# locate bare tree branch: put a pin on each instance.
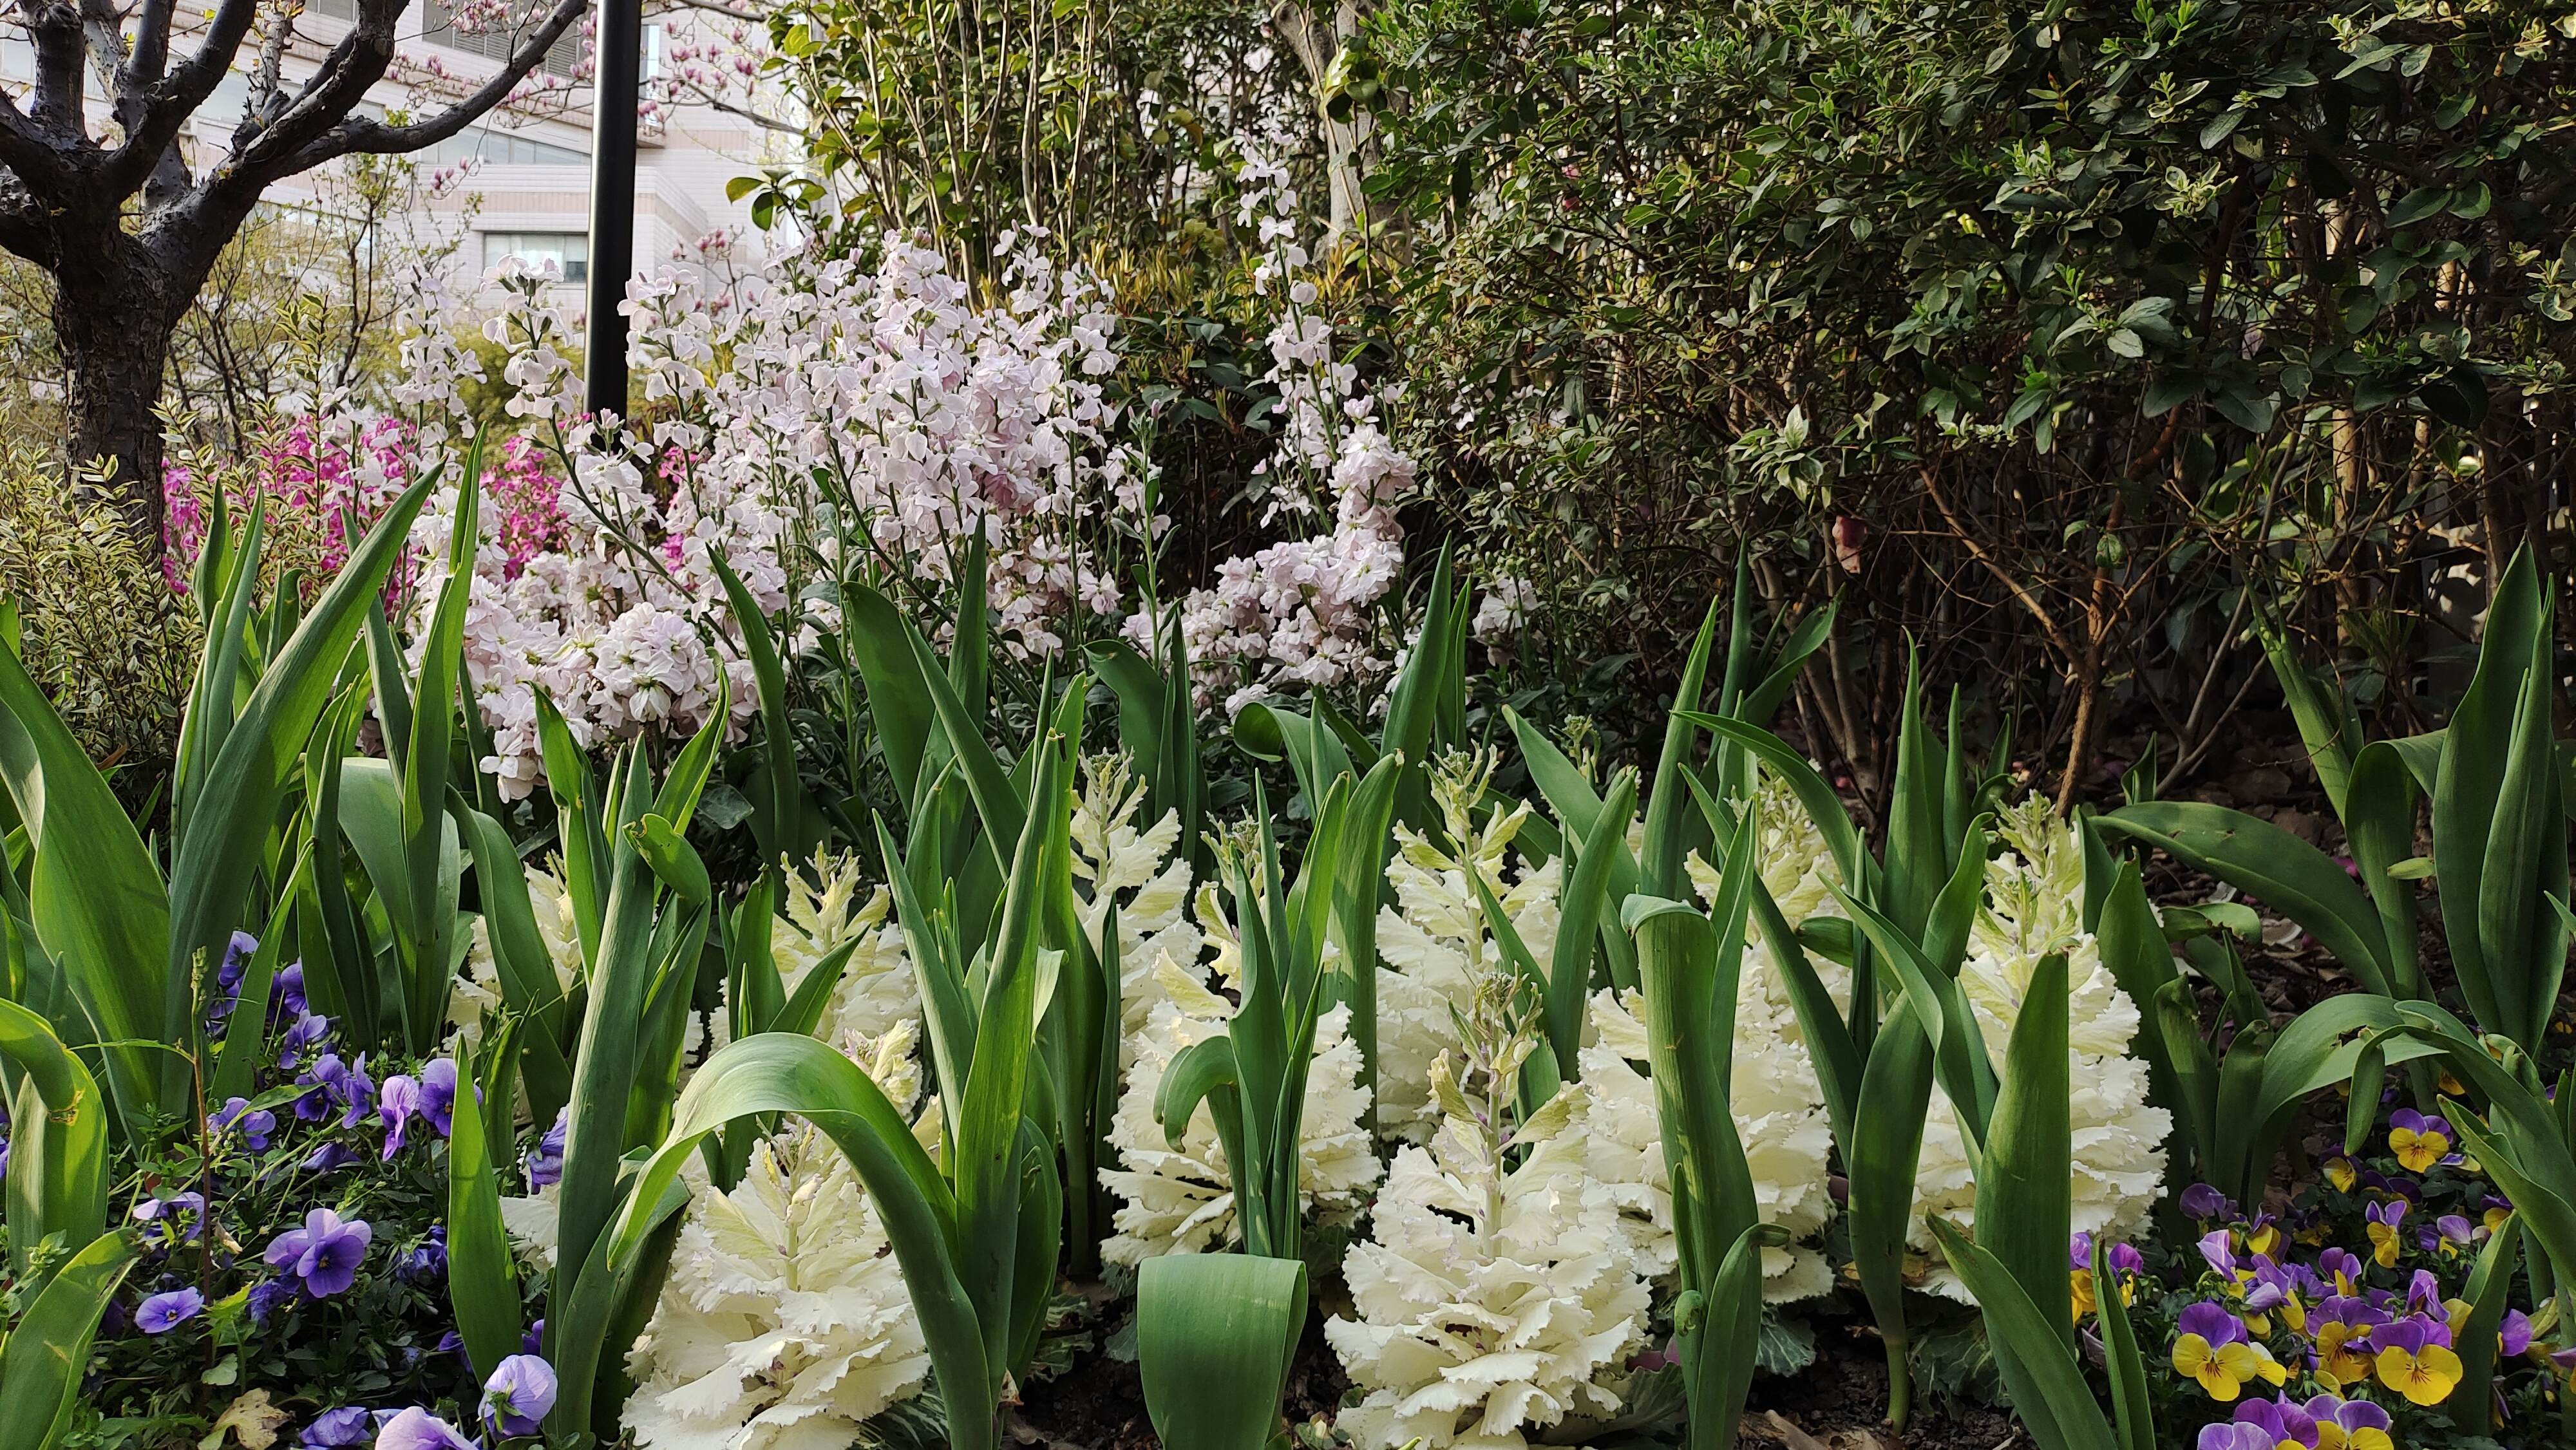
(32, 155)
(56, 29)
(24, 222)
(720, 7)
(173, 98)
(151, 45)
(362, 133)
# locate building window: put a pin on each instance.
(500, 148)
(569, 251)
(561, 58)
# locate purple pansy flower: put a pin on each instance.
(534, 1341)
(164, 1312)
(324, 1254)
(338, 1429)
(2410, 1334)
(330, 1158)
(2339, 1265)
(438, 1093)
(256, 1124)
(157, 1214)
(308, 1030)
(2204, 1202)
(2350, 1414)
(286, 992)
(228, 975)
(271, 1295)
(2219, 1250)
(2233, 1435)
(396, 1105)
(418, 1429)
(2514, 1335)
(545, 1166)
(2284, 1421)
(519, 1394)
(2211, 1321)
(428, 1261)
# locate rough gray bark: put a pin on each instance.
(126, 232)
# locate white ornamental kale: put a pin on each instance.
(1181, 1200)
(1433, 945)
(1138, 873)
(877, 991)
(1490, 1299)
(784, 1323)
(1779, 1113)
(2035, 897)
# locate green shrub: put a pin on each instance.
(103, 633)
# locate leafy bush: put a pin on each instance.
(100, 629)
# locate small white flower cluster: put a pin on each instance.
(822, 417)
(1302, 611)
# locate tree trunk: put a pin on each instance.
(113, 317)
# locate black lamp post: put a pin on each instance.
(612, 200)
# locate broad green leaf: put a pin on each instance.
(880, 640)
(1214, 1335)
(2478, 756)
(1586, 891)
(2134, 1412)
(671, 858)
(781, 794)
(2489, 1288)
(98, 902)
(1887, 1144)
(57, 1178)
(1670, 821)
(1359, 885)
(482, 1273)
(2285, 872)
(2023, 1201)
(2040, 1376)
(48, 1352)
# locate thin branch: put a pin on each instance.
(1977, 551)
(360, 133)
